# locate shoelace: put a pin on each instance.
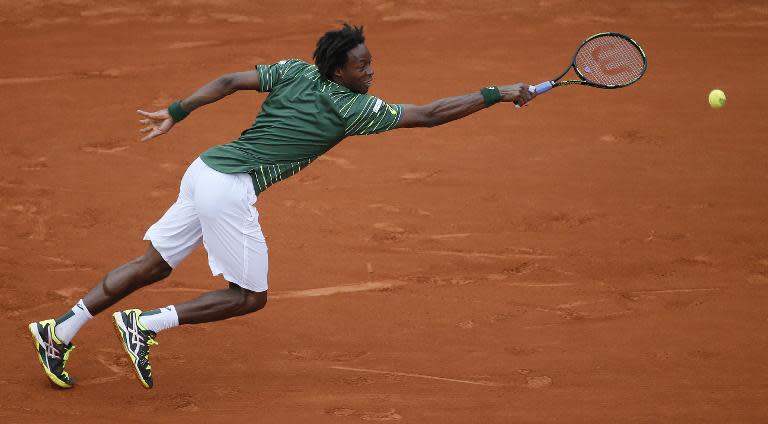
(135, 335)
(53, 352)
(50, 347)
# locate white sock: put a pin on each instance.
(69, 324)
(161, 319)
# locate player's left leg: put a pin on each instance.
(221, 304)
(236, 249)
(137, 330)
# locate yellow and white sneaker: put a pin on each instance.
(136, 340)
(51, 352)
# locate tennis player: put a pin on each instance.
(310, 108)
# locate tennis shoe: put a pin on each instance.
(52, 352)
(136, 341)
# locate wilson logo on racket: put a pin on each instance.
(608, 58)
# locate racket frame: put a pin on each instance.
(548, 85)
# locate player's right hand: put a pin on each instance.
(156, 123)
(519, 93)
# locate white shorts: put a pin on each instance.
(217, 209)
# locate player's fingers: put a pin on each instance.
(525, 93)
(152, 115)
(522, 102)
(144, 121)
(146, 129)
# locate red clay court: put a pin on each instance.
(598, 257)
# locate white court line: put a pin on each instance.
(474, 254)
(705, 289)
(28, 80)
(429, 377)
(540, 285)
(448, 236)
(327, 291)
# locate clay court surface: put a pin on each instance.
(600, 256)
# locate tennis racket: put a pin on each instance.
(604, 60)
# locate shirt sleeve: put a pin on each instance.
(371, 115)
(270, 76)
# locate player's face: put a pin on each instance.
(357, 73)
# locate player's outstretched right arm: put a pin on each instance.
(161, 121)
(451, 108)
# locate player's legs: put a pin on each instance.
(236, 249)
(172, 239)
(218, 209)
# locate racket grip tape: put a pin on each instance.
(541, 88)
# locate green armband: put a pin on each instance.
(491, 95)
(176, 112)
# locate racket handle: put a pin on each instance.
(541, 88)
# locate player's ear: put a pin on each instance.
(337, 72)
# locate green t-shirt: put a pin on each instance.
(304, 116)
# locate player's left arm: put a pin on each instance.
(160, 122)
(221, 87)
(452, 108)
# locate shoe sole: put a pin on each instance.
(51, 376)
(120, 329)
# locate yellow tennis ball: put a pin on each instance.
(716, 99)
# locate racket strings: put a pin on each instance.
(611, 61)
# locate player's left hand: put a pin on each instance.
(157, 123)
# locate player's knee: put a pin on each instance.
(154, 267)
(258, 300)
(161, 271)
(253, 301)
(248, 301)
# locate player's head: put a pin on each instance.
(341, 56)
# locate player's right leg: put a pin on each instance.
(172, 239)
(52, 352)
(124, 280)
(53, 337)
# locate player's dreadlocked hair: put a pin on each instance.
(332, 48)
